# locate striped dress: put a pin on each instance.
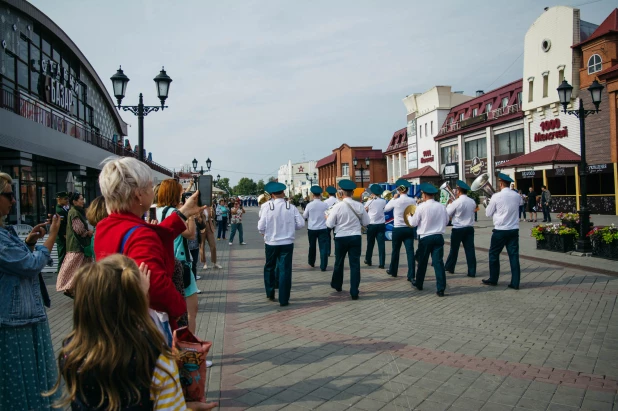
(166, 376)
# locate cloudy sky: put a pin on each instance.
(259, 82)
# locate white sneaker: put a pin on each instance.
(198, 277)
(218, 266)
(230, 243)
(243, 243)
(208, 364)
(199, 291)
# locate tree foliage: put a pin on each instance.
(245, 186)
(260, 187)
(224, 184)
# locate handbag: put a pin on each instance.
(190, 353)
(184, 269)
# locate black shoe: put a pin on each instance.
(415, 285)
(389, 273)
(284, 304)
(440, 293)
(472, 276)
(355, 297)
(544, 221)
(381, 266)
(322, 269)
(367, 263)
(271, 297)
(450, 272)
(336, 289)
(487, 282)
(312, 265)
(513, 287)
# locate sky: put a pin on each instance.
(258, 83)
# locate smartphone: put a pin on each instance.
(152, 213)
(188, 194)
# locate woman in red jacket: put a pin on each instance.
(127, 186)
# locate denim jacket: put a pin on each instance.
(21, 302)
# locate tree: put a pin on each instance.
(270, 179)
(245, 186)
(224, 184)
(260, 187)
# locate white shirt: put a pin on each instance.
(315, 213)
(462, 211)
(399, 205)
(345, 221)
(330, 201)
(375, 210)
(262, 207)
(504, 208)
(430, 218)
(279, 221)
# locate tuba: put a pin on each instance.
(448, 190)
(262, 198)
(482, 183)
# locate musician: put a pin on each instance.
(330, 201)
(278, 223)
(504, 208)
(462, 213)
(347, 217)
(431, 219)
(316, 228)
(377, 227)
(401, 232)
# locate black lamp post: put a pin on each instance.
(564, 92)
(361, 168)
(208, 164)
(311, 180)
(119, 84)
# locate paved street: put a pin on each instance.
(551, 345)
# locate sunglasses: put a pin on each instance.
(9, 196)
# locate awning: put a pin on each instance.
(326, 160)
(426, 171)
(552, 154)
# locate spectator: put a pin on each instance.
(236, 217)
(208, 235)
(522, 205)
(26, 350)
(96, 212)
(126, 184)
(79, 241)
(545, 204)
(222, 211)
(532, 205)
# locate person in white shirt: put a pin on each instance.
(347, 217)
(401, 232)
(330, 201)
(504, 209)
(462, 212)
(316, 228)
(377, 225)
(430, 219)
(278, 224)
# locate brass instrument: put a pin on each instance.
(409, 212)
(448, 190)
(365, 196)
(262, 198)
(482, 183)
(388, 195)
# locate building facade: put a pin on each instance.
(296, 176)
(396, 155)
(58, 121)
(340, 165)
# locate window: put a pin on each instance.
(449, 154)
(22, 74)
(475, 112)
(461, 117)
(432, 128)
(560, 76)
(10, 66)
(594, 64)
(488, 107)
(345, 169)
(476, 148)
(505, 102)
(425, 129)
(545, 84)
(519, 98)
(420, 130)
(510, 142)
(530, 90)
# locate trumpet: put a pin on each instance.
(482, 183)
(448, 190)
(409, 212)
(262, 198)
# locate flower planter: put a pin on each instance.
(541, 244)
(560, 243)
(605, 250)
(571, 224)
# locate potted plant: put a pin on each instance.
(604, 242)
(556, 237)
(570, 220)
(538, 232)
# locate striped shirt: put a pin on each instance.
(166, 376)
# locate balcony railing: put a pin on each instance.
(492, 115)
(15, 102)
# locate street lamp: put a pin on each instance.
(119, 85)
(361, 168)
(208, 164)
(564, 93)
(311, 180)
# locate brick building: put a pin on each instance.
(340, 165)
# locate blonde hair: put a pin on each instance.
(96, 211)
(114, 341)
(120, 179)
(5, 181)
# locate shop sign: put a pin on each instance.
(476, 166)
(600, 168)
(548, 128)
(427, 157)
(59, 84)
(501, 159)
(451, 170)
(561, 172)
(528, 174)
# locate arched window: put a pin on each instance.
(594, 64)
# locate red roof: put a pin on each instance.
(370, 154)
(610, 25)
(399, 141)
(427, 171)
(327, 160)
(552, 154)
(608, 72)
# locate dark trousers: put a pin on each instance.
(463, 235)
(61, 247)
(321, 237)
(221, 227)
(278, 258)
(330, 241)
(431, 245)
(499, 239)
(350, 245)
(237, 227)
(546, 213)
(195, 255)
(522, 210)
(376, 232)
(403, 235)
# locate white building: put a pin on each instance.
(296, 176)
